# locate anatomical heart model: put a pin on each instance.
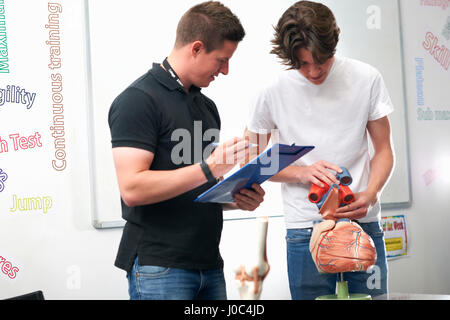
(339, 245)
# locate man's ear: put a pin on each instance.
(197, 47)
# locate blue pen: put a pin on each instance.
(216, 144)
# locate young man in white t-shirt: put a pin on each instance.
(335, 104)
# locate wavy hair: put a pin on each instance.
(307, 25)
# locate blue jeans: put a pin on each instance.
(161, 283)
(306, 283)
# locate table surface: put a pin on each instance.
(411, 296)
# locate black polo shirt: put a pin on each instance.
(156, 114)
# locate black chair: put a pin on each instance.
(37, 295)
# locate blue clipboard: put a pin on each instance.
(261, 168)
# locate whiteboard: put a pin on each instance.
(124, 40)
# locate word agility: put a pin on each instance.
(13, 94)
(58, 127)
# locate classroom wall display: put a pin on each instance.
(27, 120)
(427, 67)
(45, 219)
(395, 237)
(370, 32)
(33, 139)
(425, 50)
(42, 139)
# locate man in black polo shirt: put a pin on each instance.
(162, 127)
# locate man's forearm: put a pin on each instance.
(383, 159)
(287, 175)
(152, 186)
(381, 167)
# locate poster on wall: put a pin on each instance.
(395, 236)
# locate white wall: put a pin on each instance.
(60, 252)
(425, 270)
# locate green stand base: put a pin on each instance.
(342, 294)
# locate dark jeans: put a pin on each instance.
(161, 283)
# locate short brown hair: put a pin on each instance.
(307, 25)
(210, 22)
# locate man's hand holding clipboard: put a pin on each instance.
(256, 171)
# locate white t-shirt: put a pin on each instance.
(332, 117)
